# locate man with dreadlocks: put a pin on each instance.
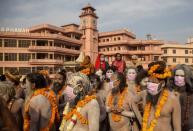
(182, 83)
(161, 107)
(81, 114)
(122, 110)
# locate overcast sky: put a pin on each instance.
(165, 19)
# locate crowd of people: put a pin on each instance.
(100, 97)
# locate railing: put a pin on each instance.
(45, 62)
(53, 49)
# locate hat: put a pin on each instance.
(134, 57)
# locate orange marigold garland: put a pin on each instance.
(167, 72)
(157, 113)
(117, 117)
(86, 71)
(54, 108)
(81, 104)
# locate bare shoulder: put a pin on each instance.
(93, 103)
(38, 101)
(173, 95)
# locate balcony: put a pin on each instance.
(53, 49)
(133, 52)
(45, 62)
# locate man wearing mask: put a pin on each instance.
(161, 107)
(101, 64)
(119, 64)
(120, 106)
(83, 112)
(181, 83)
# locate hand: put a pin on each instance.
(116, 110)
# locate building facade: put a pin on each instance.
(50, 46)
(43, 46)
(173, 53)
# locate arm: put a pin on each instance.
(128, 114)
(136, 111)
(102, 108)
(34, 113)
(176, 114)
(93, 116)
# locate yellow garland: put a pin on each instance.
(157, 113)
(81, 103)
(117, 117)
(54, 108)
(167, 72)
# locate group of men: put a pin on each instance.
(100, 97)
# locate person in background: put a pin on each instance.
(119, 64)
(182, 84)
(101, 63)
(134, 62)
(86, 67)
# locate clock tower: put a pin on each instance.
(88, 26)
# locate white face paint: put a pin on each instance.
(131, 74)
(109, 73)
(179, 78)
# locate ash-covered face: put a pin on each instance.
(179, 78)
(131, 74)
(109, 73)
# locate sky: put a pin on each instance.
(170, 20)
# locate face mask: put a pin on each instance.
(152, 88)
(108, 75)
(102, 59)
(69, 92)
(179, 81)
(131, 77)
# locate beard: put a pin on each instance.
(57, 87)
(78, 97)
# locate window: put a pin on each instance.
(156, 58)
(1, 42)
(119, 38)
(174, 60)
(1, 70)
(115, 49)
(103, 40)
(107, 40)
(10, 43)
(115, 39)
(186, 51)
(107, 49)
(186, 60)
(24, 56)
(165, 51)
(119, 48)
(1, 56)
(164, 59)
(10, 56)
(174, 51)
(24, 43)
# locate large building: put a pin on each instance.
(174, 53)
(50, 46)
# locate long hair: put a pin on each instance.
(188, 77)
(37, 79)
(122, 79)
